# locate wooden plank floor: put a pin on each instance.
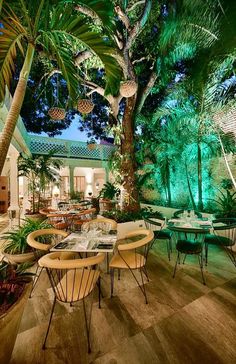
(185, 322)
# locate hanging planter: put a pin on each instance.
(57, 113)
(91, 144)
(85, 106)
(128, 88)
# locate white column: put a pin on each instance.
(14, 208)
(26, 203)
(71, 171)
(107, 173)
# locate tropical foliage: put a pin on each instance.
(16, 241)
(40, 171)
(51, 30)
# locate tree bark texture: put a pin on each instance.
(14, 112)
(128, 166)
(199, 172)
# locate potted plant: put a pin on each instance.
(15, 286)
(91, 144)
(16, 249)
(108, 194)
(40, 171)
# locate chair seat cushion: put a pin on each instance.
(162, 234)
(214, 239)
(76, 284)
(61, 225)
(127, 259)
(189, 247)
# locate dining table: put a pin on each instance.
(85, 242)
(191, 222)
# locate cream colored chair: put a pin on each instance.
(61, 221)
(101, 223)
(133, 256)
(41, 241)
(82, 217)
(72, 280)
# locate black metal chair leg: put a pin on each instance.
(206, 253)
(99, 292)
(36, 278)
(143, 289)
(170, 244)
(145, 272)
(107, 262)
(112, 280)
(49, 324)
(87, 324)
(200, 260)
(177, 259)
(185, 255)
(168, 249)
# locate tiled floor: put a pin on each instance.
(184, 322)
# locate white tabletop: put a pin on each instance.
(88, 243)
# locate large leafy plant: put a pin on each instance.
(12, 281)
(226, 202)
(16, 241)
(40, 171)
(109, 191)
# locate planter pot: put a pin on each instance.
(85, 106)
(9, 325)
(35, 217)
(91, 146)
(125, 227)
(57, 113)
(19, 258)
(106, 205)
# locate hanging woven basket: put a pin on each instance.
(91, 146)
(85, 106)
(128, 88)
(57, 113)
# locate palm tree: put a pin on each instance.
(48, 29)
(184, 28)
(40, 171)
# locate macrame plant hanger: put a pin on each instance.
(86, 105)
(56, 112)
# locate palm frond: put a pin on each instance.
(11, 37)
(66, 26)
(103, 10)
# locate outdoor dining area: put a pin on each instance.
(117, 182)
(93, 281)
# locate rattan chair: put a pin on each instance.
(101, 223)
(177, 213)
(61, 221)
(224, 235)
(82, 217)
(41, 241)
(189, 241)
(157, 226)
(133, 256)
(46, 210)
(72, 281)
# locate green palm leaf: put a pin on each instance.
(12, 34)
(103, 10)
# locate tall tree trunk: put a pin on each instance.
(189, 187)
(167, 166)
(128, 167)
(199, 175)
(17, 101)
